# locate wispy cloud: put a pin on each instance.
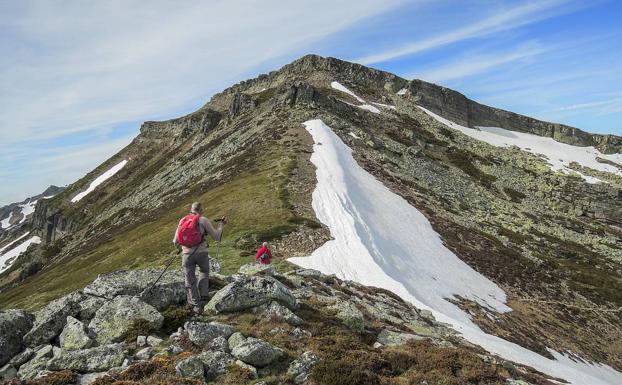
(473, 64)
(515, 17)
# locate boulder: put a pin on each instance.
(169, 290)
(190, 367)
(215, 363)
(251, 291)
(280, 312)
(89, 306)
(32, 368)
(50, 320)
(46, 351)
(202, 333)
(392, 338)
(144, 353)
(349, 314)
(22, 358)
(7, 372)
(141, 341)
(300, 369)
(256, 352)
(113, 320)
(14, 324)
(236, 339)
(298, 334)
(75, 335)
(89, 378)
(89, 360)
(154, 341)
(219, 344)
(256, 269)
(248, 367)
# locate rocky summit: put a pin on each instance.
(499, 264)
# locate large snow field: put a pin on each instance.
(7, 259)
(381, 240)
(99, 180)
(558, 155)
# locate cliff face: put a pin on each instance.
(540, 234)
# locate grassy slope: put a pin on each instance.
(254, 201)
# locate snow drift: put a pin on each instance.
(7, 259)
(381, 240)
(99, 180)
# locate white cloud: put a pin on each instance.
(504, 20)
(83, 67)
(475, 64)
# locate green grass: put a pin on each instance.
(254, 203)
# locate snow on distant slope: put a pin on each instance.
(402, 91)
(5, 223)
(99, 180)
(365, 106)
(559, 155)
(379, 239)
(7, 259)
(14, 242)
(27, 209)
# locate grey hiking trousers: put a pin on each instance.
(196, 290)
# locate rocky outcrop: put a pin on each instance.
(14, 324)
(251, 291)
(256, 352)
(89, 360)
(113, 320)
(50, 320)
(202, 333)
(75, 335)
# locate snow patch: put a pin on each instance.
(558, 155)
(379, 239)
(99, 180)
(388, 106)
(7, 259)
(370, 108)
(6, 222)
(352, 134)
(402, 91)
(27, 209)
(14, 242)
(340, 87)
(365, 106)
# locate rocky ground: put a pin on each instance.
(260, 327)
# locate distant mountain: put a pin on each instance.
(15, 214)
(505, 227)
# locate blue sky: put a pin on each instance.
(78, 78)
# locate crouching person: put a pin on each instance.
(191, 235)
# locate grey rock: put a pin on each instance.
(301, 368)
(14, 324)
(202, 333)
(154, 341)
(392, 338)
(349, 314)
(89, 306)
(141, 341)
(308, 273)
(173, 349)
(215, 363)
(22, 357)
(89, 360)
(257, 269)
(377, 345)
(7, 372)
(236, 339)
(220, 344)
(168, 291)
(144, 353)
(298, 334)
(113, 320)
(275, 310)
(46, 351)
(250, 368)
(75, 335)
(251, 291)
(127, 362)
(256, 352)
(89, 378)
(50, 320)
(191, 367)
(32, 368)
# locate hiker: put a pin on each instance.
(191, 235)
(264, 256)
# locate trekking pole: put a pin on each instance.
(175, 255)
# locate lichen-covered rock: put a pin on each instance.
(236, 339)
(392, 338)
(169, 290)
(256, 352)
(202, 333)
(219, 344)
(278, 311)
(256, 269)
(190, 367)
(301, 368)
(22, 357)
(45, 351)
(298, 334)
(250, 291)
(14, 324)
(89, 378)
(215, 363)
(89, 306)
(50, 320)
(75, 335)
(250, 368)
(32, 368)
(113, 320)
(349, 314)
(141, 341)
(7, 372)
(154, 341)
(89, 360)
(144, 353)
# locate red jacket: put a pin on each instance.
(267, 259)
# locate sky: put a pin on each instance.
(77, 79)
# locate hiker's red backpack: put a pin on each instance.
(189, 234)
